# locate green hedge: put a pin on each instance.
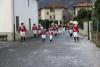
(46, 23)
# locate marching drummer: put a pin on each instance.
(22, 31)
(34, 29)
(43, 34)
(50, 35)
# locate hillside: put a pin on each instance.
(68, 3)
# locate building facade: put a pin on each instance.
(53, 12)
(13, 12)
(82, 5)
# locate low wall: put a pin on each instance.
(82, 32)
(10, 36)
(96, 38)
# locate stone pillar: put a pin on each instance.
(85, 28)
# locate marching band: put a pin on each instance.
(54, 30)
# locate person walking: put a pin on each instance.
(34, 29)
(63, 29)
(50, 35)
(43, 35)
(67, 27)
(22, 31)
(39, 30)
(55, 29)
(71, 30)
(75, 32)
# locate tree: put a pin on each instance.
(97, 14)
(82, 13)
(97, 9)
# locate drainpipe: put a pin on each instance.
(14, 21)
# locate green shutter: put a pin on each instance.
(17, 22)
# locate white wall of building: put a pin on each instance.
(6, 15)
(25, 11)
(59, 14)
(22, 10)
(44, 14)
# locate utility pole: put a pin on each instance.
(88, 21)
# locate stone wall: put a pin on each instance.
(96, 38)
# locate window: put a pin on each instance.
(47, 13)
(52, 10)
(17, 22)
(50, 17)
(54, 17)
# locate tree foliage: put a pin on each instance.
(97, 9)
(82, 13)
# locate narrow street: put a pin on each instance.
(62, 52)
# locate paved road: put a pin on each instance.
(62, 52)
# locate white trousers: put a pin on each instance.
(43, 36)
(39, 31)
(35, 31)
(22, 34)
(51, 37)
(59, 31)
(55, 32)
(70, 31)
(75, 34)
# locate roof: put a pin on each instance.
(51, 6)
(84, 4)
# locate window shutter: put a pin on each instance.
(17, 22)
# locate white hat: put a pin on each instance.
(75, 22)
(41, 27)
(71, 21)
